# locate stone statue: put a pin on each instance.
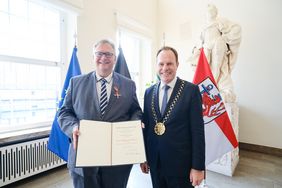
(220, 39)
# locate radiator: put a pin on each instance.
(22, 160)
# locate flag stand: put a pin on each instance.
(204, 182)
(204, 185)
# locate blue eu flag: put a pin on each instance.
(58, 141)
(121, 66)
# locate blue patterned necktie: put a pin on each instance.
(164, 103)
(103, 96)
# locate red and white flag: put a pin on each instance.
(219, 134)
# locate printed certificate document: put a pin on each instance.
(106, 144)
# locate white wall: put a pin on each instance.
(257, 72)
(97, 20)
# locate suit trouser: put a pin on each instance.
(77, 179)
(161, 180)
(106, 177)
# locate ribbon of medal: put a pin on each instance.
(160, 126)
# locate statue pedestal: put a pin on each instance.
(227, 163)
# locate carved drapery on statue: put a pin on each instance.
(221, 40)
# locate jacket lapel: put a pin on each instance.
(156, 101)
(174, 92)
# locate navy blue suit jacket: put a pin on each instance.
(182, 146)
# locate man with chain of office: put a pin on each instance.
(173, 128)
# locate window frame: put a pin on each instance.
(64, 50)
(143, 66)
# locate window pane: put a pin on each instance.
(4, 5)
(18, 8)
(29, 94)
(30, 30)
(137, 52)
(4, 33)
(35, 12)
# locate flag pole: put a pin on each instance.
(163, 38)
(75, 39)
(119, 40)
(204, 182)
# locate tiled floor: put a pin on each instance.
(255, 170)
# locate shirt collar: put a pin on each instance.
(170, 84)
(108, 78)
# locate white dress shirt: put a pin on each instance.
(109, 84)
(169, 91)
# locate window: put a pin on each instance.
(28, 93)
(29, 30)
(137, 53)
(30, 60)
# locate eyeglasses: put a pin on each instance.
(106, 54)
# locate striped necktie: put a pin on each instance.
(164, 103)
(103, 96)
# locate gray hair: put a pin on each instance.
(105, 41)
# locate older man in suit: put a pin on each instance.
(101, 95)
(174, 128)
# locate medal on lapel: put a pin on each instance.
(116, 92)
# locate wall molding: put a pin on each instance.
(261, 149)
(130, 23)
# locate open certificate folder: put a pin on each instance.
(105, 144)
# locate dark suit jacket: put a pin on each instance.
(182, 146)
(81, 102)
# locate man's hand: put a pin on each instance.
(145, 167)
(196, 177)
(75, 134)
